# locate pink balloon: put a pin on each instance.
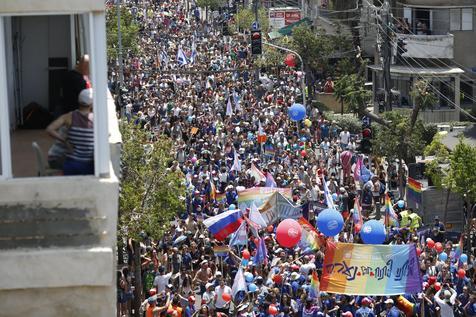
(194, 160)
(288, 233)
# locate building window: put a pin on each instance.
(461, 19)
(467, 19)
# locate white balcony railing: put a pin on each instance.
(428, 46)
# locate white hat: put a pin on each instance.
(295, 276)
(85, 97)
(389, 301)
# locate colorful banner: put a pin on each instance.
(279, 207)
(414, 190)
(259, 195)
(361, 269)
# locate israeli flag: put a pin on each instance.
(181, 58)
(193, 55)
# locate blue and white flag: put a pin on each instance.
(181, 58)
(240, 236)
(328, 196)
(236, 162)
(261, 255)
(193, 55)
(229, 109)
(164, 58)
(239, 284)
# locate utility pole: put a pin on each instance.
(387, 56)
(255, 8)
(119, 54)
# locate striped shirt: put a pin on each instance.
(81, 137)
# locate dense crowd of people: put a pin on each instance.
(196, 86)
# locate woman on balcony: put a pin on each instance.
(80, 137)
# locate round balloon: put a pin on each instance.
(248, 277)
(464, 258)
(272, 310)
(290, 60)
(288, 233)
(400, 204)
(297, 112)
(232, 207)
(461, 273)
(303, 153)
(246, 254)
(330, 222)
(307, 123)
(373, 232)
(226, 297)
(277, 279)
(252, 288)
(430, 243)
(437, 286)
(443, 256)
(244, 262)
(438, 247)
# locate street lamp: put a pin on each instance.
(303, 80)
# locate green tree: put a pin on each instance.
(245, 17)
(462, 174)
(435, 169)
(210, 5)
(393, 141)
(129, 32)
(423, 99)
(149, 197)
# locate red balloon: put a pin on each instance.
(246, 254)
(432, 280)
(226, 297)
(288, 233)
(272, 310)
(438, 247)
(430, 243)
(270, 228)
(290, 60)
(418, 251)
(303, 153)
(461, 273)
(437, 286)
(277, 279)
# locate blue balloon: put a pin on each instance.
(232, 207)
(250, 136)
(297, 112)
(190, 118)
(303, 139)
(334, 197)
(330, 222)
(244, 262)
(464, 258)
(252, 288)
(443, 256)
(373, 232)
(400, 204)
(249, 277)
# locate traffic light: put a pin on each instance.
(401, 49)
(256, 48)
(366, 141)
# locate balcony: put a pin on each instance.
(428, 46)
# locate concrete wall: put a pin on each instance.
(66, 279)
(428, 46)
(331, 102)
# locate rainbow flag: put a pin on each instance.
(414, 190)
(213, 191)
(310, 236)
(259, 195)
(220, 197)
(314, 289)
(269, 150)
(391, 218)
(357, 215)
(221, 250)
(373, 270)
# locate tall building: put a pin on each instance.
(58, 233)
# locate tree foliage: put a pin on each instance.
(455, 171)
(150, 190)
(211, 4)
(129, 32)
(245, 17)
(423, 98)
(393, 140)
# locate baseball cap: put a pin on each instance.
(366, 301)
(389, 301)
(85, 97)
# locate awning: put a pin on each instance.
(288, 30)
(420, 71)
(274, 35)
